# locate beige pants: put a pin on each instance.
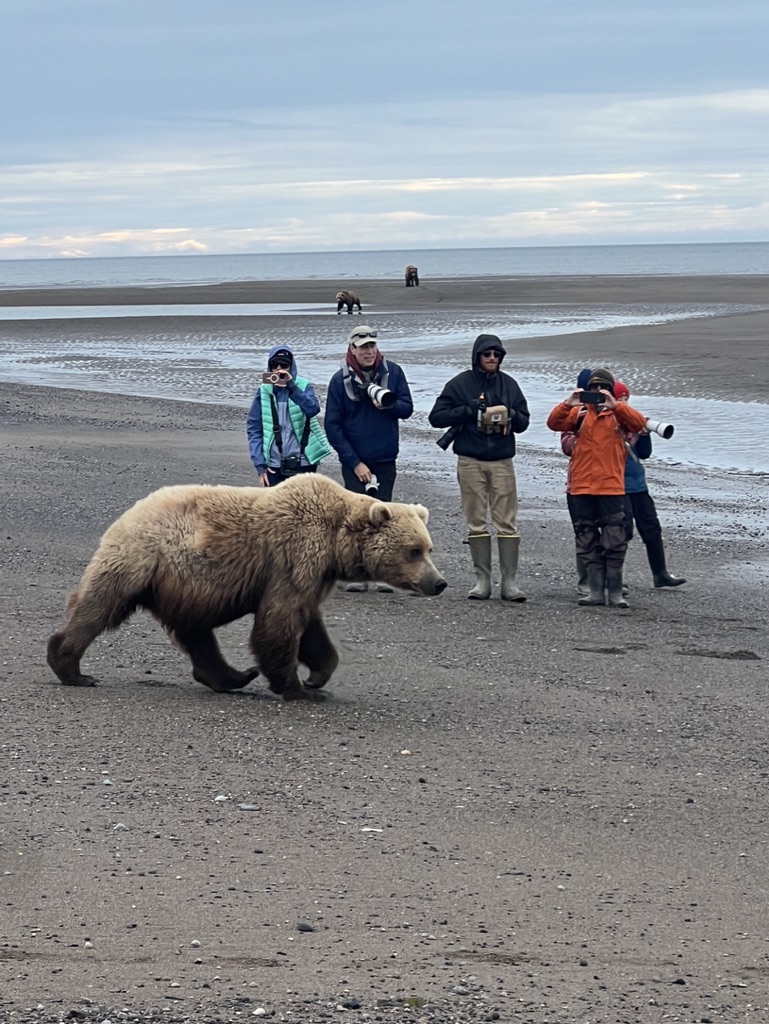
(484, 486)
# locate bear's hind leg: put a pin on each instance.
(92, 610)
(208, 665)
(317, 652)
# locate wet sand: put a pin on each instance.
(544, 812)
(724, 355)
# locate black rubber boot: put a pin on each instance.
(614, 588)
(582, 585)
(596, 578)
(655, 552)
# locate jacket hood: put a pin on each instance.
(483, 343)
(283, 348)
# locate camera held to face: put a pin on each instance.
(381, 397)
(592, 398)
(273, 377)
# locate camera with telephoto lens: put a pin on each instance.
(290, 465)
(381, 397)
(665, 430)
(445, 441)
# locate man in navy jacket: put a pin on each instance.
(366, 398)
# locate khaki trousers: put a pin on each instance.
(485, 486)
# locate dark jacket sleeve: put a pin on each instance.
(256, 434)
(451, 408)
(334, 421)
(643, 446)
(404, 403)
(307, 400)
(519, 411)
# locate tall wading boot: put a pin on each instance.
(583, 588)
(509, 547)
(596, 578)
(655, 552)
(480, 552)
(614, 588)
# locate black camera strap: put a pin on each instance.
(276, 429)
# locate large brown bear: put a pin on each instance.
(348, 299)
(198, 557)
(412, 276)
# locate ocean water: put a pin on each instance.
(717, 258)
(201, 360)
(175, 355)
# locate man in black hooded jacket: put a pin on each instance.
(486, 409)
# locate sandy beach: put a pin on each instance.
(538, 813)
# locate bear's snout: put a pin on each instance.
(431, 582)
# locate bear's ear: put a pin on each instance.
(422, 512)
(379, 513)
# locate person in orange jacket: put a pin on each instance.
(597, 481)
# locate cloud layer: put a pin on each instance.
(168, 128)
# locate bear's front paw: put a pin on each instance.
(79, 681)
(302, 694)
(316, 680)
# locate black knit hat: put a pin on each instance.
(603, 377)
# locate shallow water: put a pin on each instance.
(187, 359)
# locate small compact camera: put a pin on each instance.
(592, 397)
(290, 465)
(271, 377)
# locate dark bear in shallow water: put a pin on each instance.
(349, 299)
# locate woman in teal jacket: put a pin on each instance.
(284, 436)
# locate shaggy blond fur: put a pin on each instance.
(412, 276)
(349, 299)
(198, 557)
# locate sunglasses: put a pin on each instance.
(491, 354)
(279, 364)
(364, 334)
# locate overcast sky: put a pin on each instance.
(133, 127)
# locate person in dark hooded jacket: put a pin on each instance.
(484, 409)
(284, 436)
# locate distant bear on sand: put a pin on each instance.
(198, 557)
(349, 299)
(412, 276)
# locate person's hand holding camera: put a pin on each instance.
(575, 398)
(284, 380)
